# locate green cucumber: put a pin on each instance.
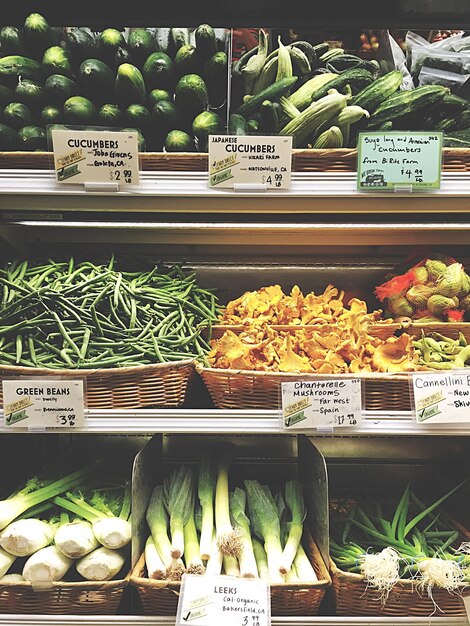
(356, 79)
(110, 115)
(56, 60)
(268, 119)
(138, 116)
(308, 50)
(79, 110)
(96, 80)
(407, 103)
(215, 76)
(178, 141)
(252, 126)
(141, 45)
(30, 92)
(140, 138)
(177, 38)
(14, 66)
(186, 61)
(273, 93)
(237, 125)
(165, 117)
(386, 126)
(9, 139)
(37, 33)
(156, 95)
(374, 94)
(11, 41)
(342, 62)
(108, 43)
(7, 95)
(452, 104)
(205, 124)
(51, 115)
(460, 122)
(122, 56)
(191, 96)
(158, 71)
(17, 115)
(81, 44)
(129, 85)
(329, 55)
(320, 49)
(206, 45)
(58, 89)
(32, 138)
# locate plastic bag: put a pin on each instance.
(432, 76)
(435, 289)
(391, 57)
(438, 55)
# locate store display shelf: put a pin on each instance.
(70, 620)
(188, 192)
(218, 421)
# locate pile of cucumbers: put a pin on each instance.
(169, 85)
(274, 90)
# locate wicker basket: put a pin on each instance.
(161, 597)
(157, 385)
(243, 389)
(307, 160)
(353, 597)
(448, 329)
(80, 598)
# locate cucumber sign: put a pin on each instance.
(389, 161)
(96, 156)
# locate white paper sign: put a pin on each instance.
(94, 156)
(442, 398)
(250, 160)
(323, 403)
(223, 600)
(43, 403)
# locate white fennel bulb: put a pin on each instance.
(48, 564)
(26, 536)
(76, 539)
(101, 564)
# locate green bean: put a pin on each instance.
(66, 336)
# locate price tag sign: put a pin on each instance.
(388, 161)
(323, 403)
(96, 156)
(442, 398)
(215, 600)
(244, 160)
(43, 403)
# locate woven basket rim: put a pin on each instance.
(281, 327)
(86, 585)
(201, 369)
(110, 371)
(137, 580)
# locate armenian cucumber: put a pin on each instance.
(273, 93)
(342, 62)
(377, 92)
(307, 49)
(320, 49)
(452, 104)
(406, 103)
(329, 55)
(357, 79)
(453, 124)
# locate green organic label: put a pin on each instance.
(295, 419)
(68, 172)
(221, 177)
(13, 418)
(390, 160)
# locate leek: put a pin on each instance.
(303, 567)
(48, 564)
(231, 565)
(193, 561)
(265, 520)
(261, 560)
(157, 520)
(155, 567)
(21, 501)
(26, 536)
(179, 498)
(295, 503)
(101, 564)
(247, 561)
(6, 561)
(216, 559)
(228, 539)
(205, 492)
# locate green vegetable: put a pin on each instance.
(9, 139)
(269, 119)
(129, 85)
(140, 138)
(302, 98)
(79, 110)
(273, 93)
(96, 80)
(81, 44)
(165, 117)
(58, 89)
(407, 102)
(110, 115)
(156, 95)
(52, 115)
(227, 538)
(330, 138)
(206, 44)
(17, 115)
(342, 62)
(30, 93)
(157, 520)
(356, 79)
(57, 60)
(192, 558)
(237, 125)
(206, 492)
(294, 499)
(377, 92)
(7, 95)
(179, 501)
(205, 124)
(141, 45)
(158, 71)
(11, 41)
(177, 38)
(37, 33)
(15, 66)
(32, 138)
(247, 561)
(179, 141)
(109, 41)
(191, 96)
(186, 61)
(138, 116)
(284, 62)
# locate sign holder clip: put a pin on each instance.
(110, 187)
(253, 187)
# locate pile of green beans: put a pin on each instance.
(81, 315)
